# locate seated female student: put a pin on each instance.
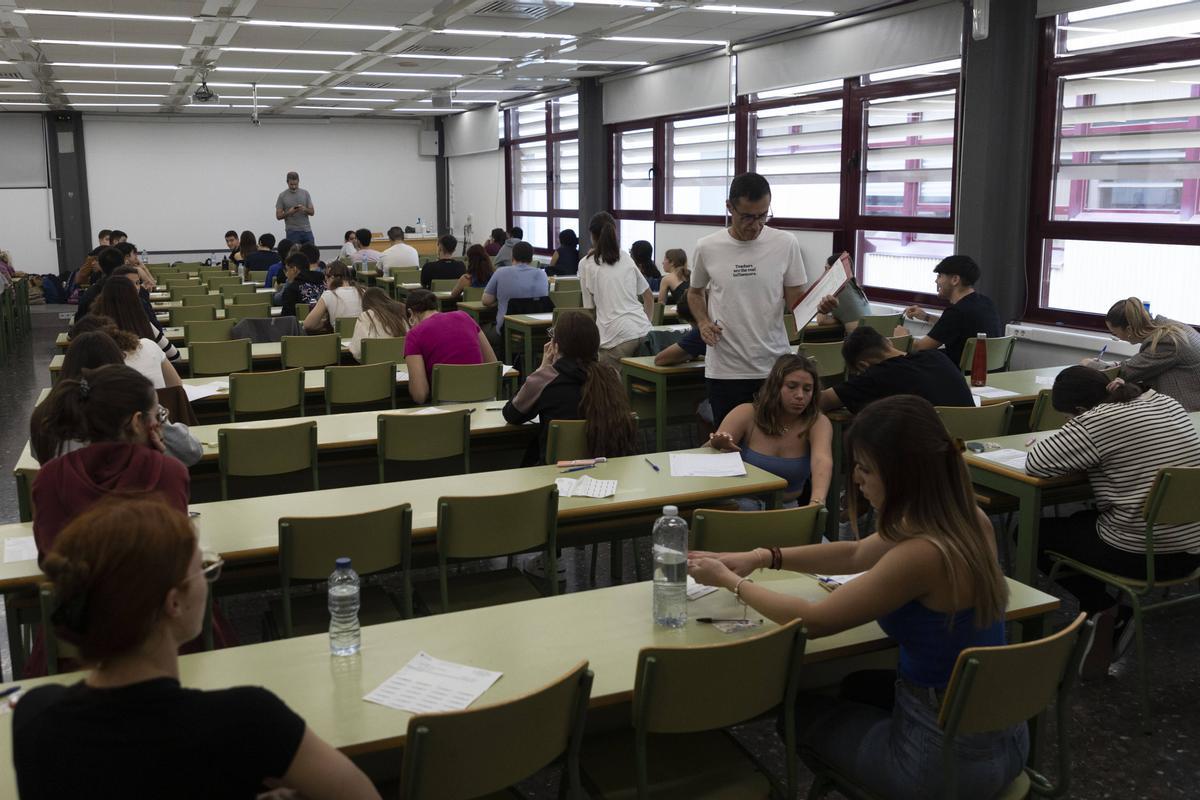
(932, 582)
(572, 383)
(435, 338)
(783, 431)
(1168, 358)
(132, 587)
(382, 317)
(247, 245)
(94, 345)
(675, 283)
(350, 247)
(342, 298)
(690, 346)
(565, 260)
(642, 253)
(479, 272)
(1122, 436)
(119, 302)
(141, 354)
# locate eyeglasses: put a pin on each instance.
(163, 415)
(210, 566)
(764, 217)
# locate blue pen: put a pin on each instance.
(652, 464)
(576, 469)
(1103, 350)
(9, 690)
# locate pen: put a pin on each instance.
(711, 620)
(652, 464)
(1103, 350)
(1031, 441)
(9, 690)
(576, 469)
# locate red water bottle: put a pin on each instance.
(979, 361)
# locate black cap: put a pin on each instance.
(962, 266)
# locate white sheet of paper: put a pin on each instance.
(203, 390)
(838, 580)
(977, 400)
(19, 548)
(401, 375)
(429, 410)
(991, 391)
(585, 487)
(703, 465)
(831, 282)
(1008, 457)
(427, 685)
(507, 368)
(542, 315)
(1045, 380)
(697, 590)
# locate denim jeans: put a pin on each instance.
(898, 754)
(300, 237)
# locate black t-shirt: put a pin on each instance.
(261, 260)
(151, 739)
(568, 262)
(444, 269)
(969, 316)
(925, 373)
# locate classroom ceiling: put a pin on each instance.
(355, 58)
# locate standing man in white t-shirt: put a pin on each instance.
(743, 280)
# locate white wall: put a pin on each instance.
(26, 221)
(815, 246)
(180, 183)
(477, 192)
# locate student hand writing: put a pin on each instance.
(741, 564)
(723, 441)
(710, 332)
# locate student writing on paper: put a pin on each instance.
(783, 432)
(131, 585)
(933, 584)
(436, 338)
(1168, 358)
(382, 317)
(1121, 436)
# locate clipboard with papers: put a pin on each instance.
(830, 283)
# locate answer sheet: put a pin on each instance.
(991, 392)
(1006, 457)
(703, 465)
(204, 390)
(830, 283)
(428, 685)
(19, 548)
(585, 487)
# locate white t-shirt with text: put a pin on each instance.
(615, 291)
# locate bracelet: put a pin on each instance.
(737, 587)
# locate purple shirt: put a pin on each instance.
(450, 337)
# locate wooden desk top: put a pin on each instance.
(1027, 383)
(646, 363)
(531, 642)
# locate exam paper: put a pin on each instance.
(19, 548)
(427, 685)
(1045, 380)
(838, 580)
(702, 465)
(542, 315)
(831, 282)
(428, 410)
(697, 590)
(585, 487)
(991, 391)
(203, 390)
(1007, 457)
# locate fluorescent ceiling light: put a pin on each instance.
(261, 85)
(273, 70)
(20, 103)
(490, 91)
(251, 97)
(1081, 29)
(464, 102)
(325, 99)
(85, 43)
(1115, 9)
(367, 89)
(505, 34)
(289, 52)
(335, 108)
(260, 106)
(92, 64)
(21, 94)
(101, 15)
(412, 74)
(108, 105)
(117, 83)
(114, 94)
(620, 3)
(584, 61)
(787, 12)
(496, 59)
(331, 26)
(423, 110)
(662, 40)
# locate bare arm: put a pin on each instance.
(418, 384)
(674, 354)
(310, 210)
(734, 429)
(457, 292)
(489, 300)
(318, 771)
(485, 347)
(648, 303)
(792, 295)
(170, 376)
(280, 212)
(829, 400)
(315, 320)
(820, 451)
(710, 332)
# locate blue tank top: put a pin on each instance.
(793, 470)
(928, 648)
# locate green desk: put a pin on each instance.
(174, 336)
(165, 296)
(532, 643)
(260, 353)
(1026, 384)
(482, 314)
(164, 317)
(400, 292)
(643, 370)
(527, 332)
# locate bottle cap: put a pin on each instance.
(670, 511)
(342, 563)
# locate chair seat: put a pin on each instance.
(478, 590)
(699, 765)
(1123, 580)
(310, 612)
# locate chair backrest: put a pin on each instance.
(219, 358)
(374, 540)
(901, 343)
(1172, 497)
(656, 315)
(423, 437)
(971, 422)
(529, 305)
(383, 349)
(1044, 416)
(472, 293)
(208, 330)
(220, 278)
(277, 450)
(530, 520)
(239, 311)
(367, 383)
(789, 325)
(206, 299)
(465, 383)
(178, 279)
(231, 289)
(55, 648)
(454, 756)
(266, 392)
(345, 326)
(557, 312)
(405, 274)
(828, 357)
(258, 276)
(443, 284)
(567, 298)
(311, 351)
(180, 316)
(180, 292)
(999, 353)
(883, 324)
(566, 440)
(734, 531)
(254, 298)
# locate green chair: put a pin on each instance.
(902, 343)
(206, 299)
(656, 315)
(258, 276)
(383, 349)
(248, 299)
(208, 330)
(405, 274)
(531, 523)
(970, 423)
(302, 310)
(345, 327)
(410, 438)
(999, 354)
(679, 746)
(1171, 501)
(558, 312)
(259, 452)
(179, 279)
(1044, 417)
(240, 311)
(883, 324)
(221, 280)
(453, 756)
(828, 357)
(734, 531)
(472, 294)
(219, 357)
(993, 688)
(465, 383)
(375, 541)
(443, 284)
(793, 333)
(358, 385)
(231, 289)
(181, 316)
(310, 352)
(566, 440)
(266, 393)
(180, 292)
(567, 298)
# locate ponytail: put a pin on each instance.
(611, 429)
(94, 407)
(606, 248)
(1131, 315)
(1083, 388)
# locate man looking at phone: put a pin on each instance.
(294, 206)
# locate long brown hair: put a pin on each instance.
(1132, 315)
(1079, 388)
(248, 243)
(611, 429)
(606, 247)
(95, 407)
(935, 502)
(339, 275)
(768, 408)
(112, 567)
(98, 323)
(678, 259)
(90, 350)
(391, 318)
(119, 300)
(479, 265)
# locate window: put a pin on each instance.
(700, 155)
(633, 169)
(543, 164)
(529, 176)
(799, 150)
(909, 155)
(1114, 25)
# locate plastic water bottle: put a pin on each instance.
(344, 639)
(670, 538)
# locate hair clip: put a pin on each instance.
(84, 388)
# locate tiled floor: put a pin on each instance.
(1109, 757)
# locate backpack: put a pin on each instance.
(53, 289)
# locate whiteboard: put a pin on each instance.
(23, 165)
(179, 183)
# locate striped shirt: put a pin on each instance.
(1122, 446)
